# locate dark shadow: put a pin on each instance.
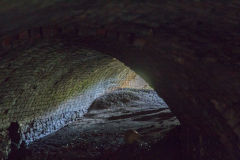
(18, 148)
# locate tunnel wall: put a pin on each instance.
(187, 50)
(50, 84)
(208, 128)
(176, 77)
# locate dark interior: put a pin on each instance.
(58, 57)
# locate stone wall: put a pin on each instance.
(51, 84)
(187, 50)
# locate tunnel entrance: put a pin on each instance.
(76, 103)
(124, 123)
(189, 50)
(106, 131)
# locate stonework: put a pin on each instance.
(50, 85)
(187, 50)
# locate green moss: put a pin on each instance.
(50, 76)
(76, 80)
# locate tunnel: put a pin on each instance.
(59, 59)
(65, 93)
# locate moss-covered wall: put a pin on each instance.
(188, 50)
(51, 84)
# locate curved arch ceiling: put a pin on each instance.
(189, 50)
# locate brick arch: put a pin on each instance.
(187, 51)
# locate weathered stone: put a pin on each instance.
(191, 58)
(64, 87)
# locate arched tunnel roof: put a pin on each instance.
(187, 50)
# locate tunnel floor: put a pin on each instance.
(100, 133)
